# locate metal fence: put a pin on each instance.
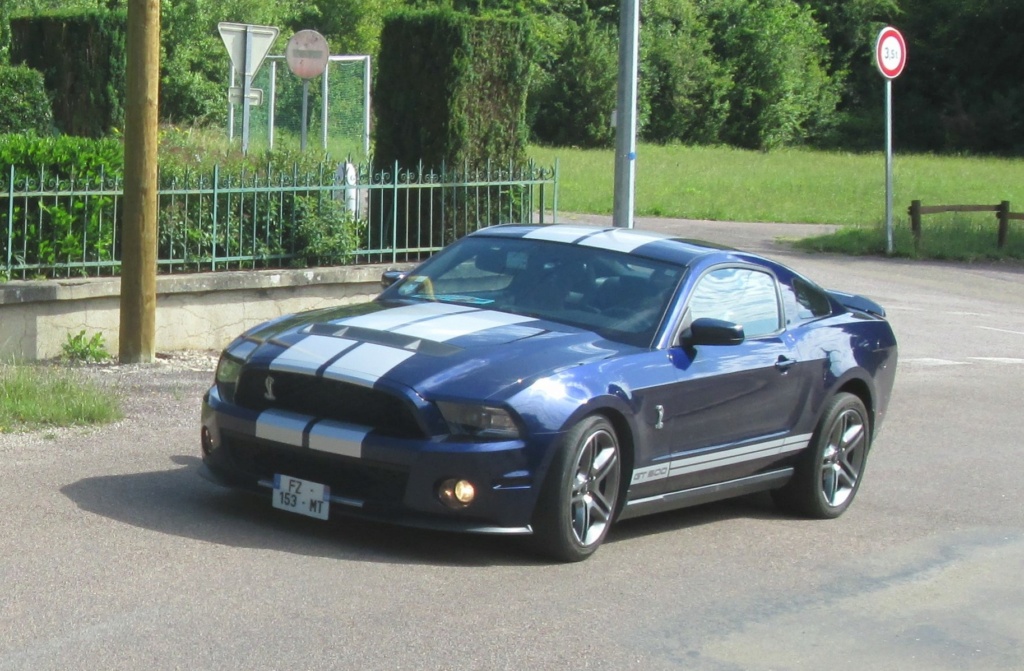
(55, 226)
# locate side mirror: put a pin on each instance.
(707, 331)
(389, 277)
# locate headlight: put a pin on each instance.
(228, 370)
(478, 421)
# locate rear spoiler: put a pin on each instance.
(859, 303)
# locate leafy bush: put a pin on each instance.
(24, 104)
(79, 348)
(575, 106)
(61, 155)
(326, 233)
(685, 85)
(262, 201)
(777, 56)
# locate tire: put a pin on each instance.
(829, 473)
(577, 503)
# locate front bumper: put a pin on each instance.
(372, 476)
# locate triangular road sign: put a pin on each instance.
(261, 37)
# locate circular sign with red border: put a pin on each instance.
(307, 54)
(890, 53)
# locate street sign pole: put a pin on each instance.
(247, 73)
(891, 58)
(888, 167)
(305, 114)
(625, 115)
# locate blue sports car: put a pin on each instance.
(550, 380)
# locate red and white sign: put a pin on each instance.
(307, 54)
(890, 53)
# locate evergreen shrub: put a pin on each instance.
(24, 104)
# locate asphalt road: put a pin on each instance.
(114, 554)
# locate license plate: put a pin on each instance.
(301, 496)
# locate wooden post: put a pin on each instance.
(1004, 223)
(915, 222)
(137, 338)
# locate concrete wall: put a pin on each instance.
(201, 311)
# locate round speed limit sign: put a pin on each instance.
(890, 53)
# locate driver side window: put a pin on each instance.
(739, 295)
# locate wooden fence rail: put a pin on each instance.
(1002, 212)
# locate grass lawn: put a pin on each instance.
(804, 186)
(32, 397)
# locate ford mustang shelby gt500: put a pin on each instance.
(552, 379)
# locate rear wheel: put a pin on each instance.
(580, 494)
(829, 473)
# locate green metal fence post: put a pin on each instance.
(554, 204)
(216, 186)
(394, 217)
(10, 220)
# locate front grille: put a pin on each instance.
(347, 477)
(329, 399)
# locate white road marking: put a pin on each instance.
(927, 361)
(992, 328)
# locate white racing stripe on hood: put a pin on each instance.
(337, 438)
(366, 364)
(450, 327)
(281, 426)
(307, 355)
(387, 320)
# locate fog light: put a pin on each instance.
(456, 493)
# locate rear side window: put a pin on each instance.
(739, 295)
(805, 301)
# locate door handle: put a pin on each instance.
(784, 364)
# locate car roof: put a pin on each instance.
(649, 244)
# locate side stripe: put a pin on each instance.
(707, 461)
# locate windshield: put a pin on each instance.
(620, 296)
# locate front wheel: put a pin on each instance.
(580, 494)
(829, 473)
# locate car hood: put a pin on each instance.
(438, 350)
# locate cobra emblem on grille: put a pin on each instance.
(269, 384)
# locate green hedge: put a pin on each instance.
(451, 88)
(24, 105)
(451, 93)
(82, 58)
(61, 155)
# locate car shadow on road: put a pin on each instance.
(751, 506)
(179, 502)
